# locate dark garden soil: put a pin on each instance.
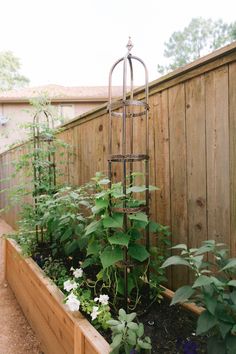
(172, 330)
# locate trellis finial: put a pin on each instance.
(129, 45)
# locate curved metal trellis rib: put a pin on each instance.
(127, 106)
(43, 141)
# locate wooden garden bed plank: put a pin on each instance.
(59, 331)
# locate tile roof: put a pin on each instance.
(60, 92)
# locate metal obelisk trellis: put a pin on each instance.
(44, 160)
(128, 110)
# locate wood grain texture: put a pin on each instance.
(232, 155)
(217, 144)
(178, 175)
(42, 304)
(196, 160)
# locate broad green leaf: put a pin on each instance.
(119, 238)
(110, 256)
(233, 330)
(114, 221)
(153, 188)
(94, 226)
(144, 345)
(93, 248)
(209, 242)
(101, 194)
(198, 260)
(180, 246)
(232, 283)
(225, 328)
(133, 326)
(230, 264)
(71, 247)
(100, 204)
(120, 327)
(210, 303)
(136, 189)
(204, 249)
(135, 234)
(104, 181)
(84, 203)
(205, 322)
(138, 252)
(113, 322)
(66, 235)
(217, 282)
(139, 217)
(87, 262)
(202, 281)
(175, 260)
(116, 341)
(131, 337)
(215, 345)
(231, 344)
(122, 315)
(153, 226)
(117, 193)
(131, 316)
(233, 297)
(140, 331)
(182, 294)
(121, 285)
(74, 195)
(79, 229)
(223, 315)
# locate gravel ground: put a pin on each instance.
(16, 335)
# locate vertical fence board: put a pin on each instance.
(196, 160)
(232, 156)
(162, 158)
(217, 133)
(178, 180)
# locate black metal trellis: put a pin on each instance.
(128, 110)
(44, 166)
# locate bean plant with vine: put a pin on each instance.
(83, 230)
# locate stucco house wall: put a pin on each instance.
(69, 102)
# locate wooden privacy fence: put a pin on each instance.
(192, 151)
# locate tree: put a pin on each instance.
(9, 72)
(200, 37)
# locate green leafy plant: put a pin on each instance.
(128, 336)
(54, 269)
(81, 297)
(214, 288)
(108, 238)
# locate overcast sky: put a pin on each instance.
(75, 42)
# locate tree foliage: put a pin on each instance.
(9, 72)
(200, 37)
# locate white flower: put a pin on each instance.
(73, 303)
(78, 273)
(103, 299)
(70, 285)
(94, 313)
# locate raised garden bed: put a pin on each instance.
(42, 303)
